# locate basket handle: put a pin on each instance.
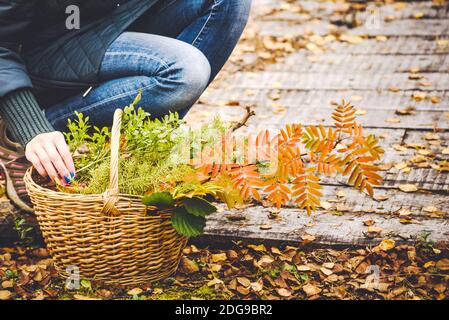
(111, 194)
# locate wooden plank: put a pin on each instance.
(269, 116)
(327, 10)
(328, 229)
(424, 179)
(336, 81)
(438, 147)
(394, 46)
(403, 28)
(315, 99)
(343, 199)
(407, 27)
(348, 64)
(372, 119)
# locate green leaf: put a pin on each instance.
(159, 199)
(198, 206)
(187, 224)
(86, 284)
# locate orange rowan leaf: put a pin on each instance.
(306, 190)
(246, 179)
(344, 116)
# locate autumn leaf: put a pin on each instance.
(443, 264)
(408, 188)
(284, 292)
(5, 295)
(387, 245)
(311, 289)
(135, 292)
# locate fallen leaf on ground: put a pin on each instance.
(5, 295)
(408, 188)
(311, 290)
(135, 292)
(387, 245)
(443, 264)
(218, 257)
(284, 292)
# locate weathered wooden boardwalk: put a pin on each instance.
(292, 65)
(394, 69)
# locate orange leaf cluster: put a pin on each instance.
(302, 156)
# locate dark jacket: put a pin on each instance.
(38, 54)
(36, 47)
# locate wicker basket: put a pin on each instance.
(110, 237)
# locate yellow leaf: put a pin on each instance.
(326, 205)
(374, 230)
(401, 165)
(393, 120)
(219, 257)
(82, 297)
(394, 89)
(5, 295)
(418, 15)
(135, 292)
(403, 212)
(408, 188)
(442, 42)
(430, 209)
(260, 247)
(431, 136)
(308, 237)
(351, 39)
(387, 245)
(435, 99)
(419, 96)
(214, 282)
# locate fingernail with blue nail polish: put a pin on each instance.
(72, 174)
(67, 179)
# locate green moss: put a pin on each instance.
(151, 153)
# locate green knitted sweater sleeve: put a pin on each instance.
(23, 116)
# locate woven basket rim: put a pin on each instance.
(29, 181)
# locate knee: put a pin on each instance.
(237, 10)
(192, 77)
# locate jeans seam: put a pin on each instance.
(205, 23)
(67, 115)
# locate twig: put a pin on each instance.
(249, 114)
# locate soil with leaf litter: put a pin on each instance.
(255, 271)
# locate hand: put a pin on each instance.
(50, 156)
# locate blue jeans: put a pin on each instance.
(171, 53)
